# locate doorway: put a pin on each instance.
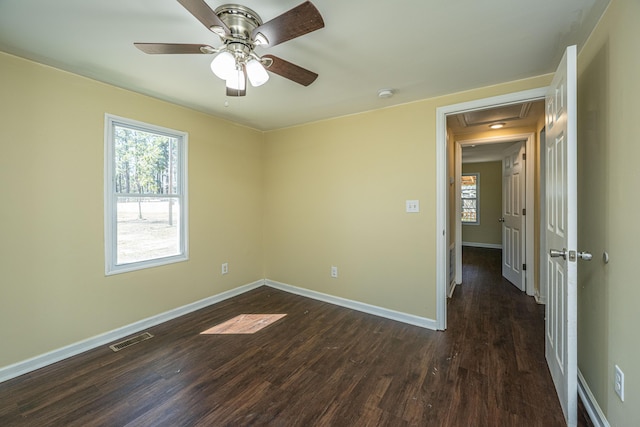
(495, 216)
(492, 149)
(445, 181)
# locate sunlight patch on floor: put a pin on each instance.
(244, 324)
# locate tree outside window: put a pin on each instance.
(145, 195)
(470, 198)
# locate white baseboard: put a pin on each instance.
(25, 366)
(590, 403)
(483, 245)
(539, 299)
(356, 305)
(40, 361)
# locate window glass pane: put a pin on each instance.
(469, 196)
(468, 193)
(469, 204)
(147, 228)
(145, 163)
(468, 181)
(145, 195)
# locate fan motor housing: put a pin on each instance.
(240, 20)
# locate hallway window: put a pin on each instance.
(145, 195)
(470, 198)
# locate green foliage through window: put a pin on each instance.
(145, 195)
(470, 198)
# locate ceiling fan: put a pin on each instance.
(241, 30)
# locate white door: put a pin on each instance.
(561, 228)
(513, 220)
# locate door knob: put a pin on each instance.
(573, 255)
(555, 253)
(585, 256)
(501, 219)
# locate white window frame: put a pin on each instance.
(110, 196)
(477, 199)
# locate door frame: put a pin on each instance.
(529, 139)
(442, 183)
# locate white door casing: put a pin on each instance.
(561, 233)
(513, 218)
(442, 185)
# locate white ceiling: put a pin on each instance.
(484, 152)
(420, 49)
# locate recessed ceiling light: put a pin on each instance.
(497, 125)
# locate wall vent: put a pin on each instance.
(130, 341)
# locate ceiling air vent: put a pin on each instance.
(130, 341)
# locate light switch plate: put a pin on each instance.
(413, 206)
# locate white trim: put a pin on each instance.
(590, 403)
(110, 204)
(25, 366)
(355, 305)
(529, 229)
(457, 168)
(452, 288)
(540, 299)
(482, 245)
(541, 296)
(442, 182)
(442, 238)
(452, 278)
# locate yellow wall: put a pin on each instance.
(335, 195)
(289, 204)
(489, 230)
(608, 152)
(53, 291)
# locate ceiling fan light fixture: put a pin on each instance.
(499, 125)
(223, 65)
(241, 31)
(256, 73)
(236, 80)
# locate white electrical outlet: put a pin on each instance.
(225, 268)
(618, 382)
(334, 271)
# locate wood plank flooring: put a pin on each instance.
(321, 365)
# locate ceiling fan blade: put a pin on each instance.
(298, 21)
(204, 14)
(162, 48)
(290, 71)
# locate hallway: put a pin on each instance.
(500, 334)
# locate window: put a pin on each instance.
(145, 195)
(470, 198)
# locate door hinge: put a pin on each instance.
(524, 211)
(524, 267)
(524, 156)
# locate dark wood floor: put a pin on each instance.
(320, 365)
